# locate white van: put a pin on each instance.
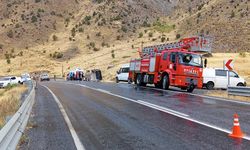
(122, 74)
(218, 78)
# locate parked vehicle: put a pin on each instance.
(44, 77)
(218, 78)
(10, 81)
(5, 82)
(77, 74)
(123, 73)
(25, 77)
(174, 64)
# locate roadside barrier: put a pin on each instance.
(11, 133)
(239, 91)
(236, 131)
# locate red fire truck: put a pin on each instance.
(174, 64)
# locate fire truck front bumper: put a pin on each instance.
(183, 81)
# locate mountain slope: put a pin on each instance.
(40, 35)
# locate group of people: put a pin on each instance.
(90, 75)
(75, 75)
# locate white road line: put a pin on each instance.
(178, 114)
(160, 108)
(104, 91)
(78, 144)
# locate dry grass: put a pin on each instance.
(9, 101)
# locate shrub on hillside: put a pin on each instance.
(33, 19)
(163, 39)
(150, 34)
(178, 36)
(57, 55)
(10, 34)
(124, 29)
(242, 54)
(55, 38)
(80, 30)
(8, 61)
(96, 49)
(140, 35)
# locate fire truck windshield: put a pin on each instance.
(190, 59)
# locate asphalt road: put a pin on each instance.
(103, 119)
(46, 128)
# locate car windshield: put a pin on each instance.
(5, 79)
(190, 60)
(124, 70)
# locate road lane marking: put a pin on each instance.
(174, 114)
(78, 144)
(170, 111)
(104, 91)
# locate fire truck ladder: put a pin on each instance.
(195, 44)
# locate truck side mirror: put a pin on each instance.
(117, 72)
(205, 63)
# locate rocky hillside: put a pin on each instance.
(49, 34)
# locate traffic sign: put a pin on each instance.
(229, 64)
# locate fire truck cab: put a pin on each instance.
(164, 67)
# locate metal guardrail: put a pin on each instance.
(11, 133)
(239, 91)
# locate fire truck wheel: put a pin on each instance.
(190, 88)
(184, 88)
(210, 85)
(129, 81)
(165, 82)
(139, 80)
(157, 85)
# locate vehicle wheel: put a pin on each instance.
(116, 80)
(210, 85)
(139, 80)
(184, 88)
(240, 84)
(129, 81)
(190, 88)
(165, 82)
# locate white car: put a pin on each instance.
(122, 74)
(4, 82)
(25, 77)
(218, 78)
(10, 81)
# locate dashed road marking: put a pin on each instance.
(78, 144)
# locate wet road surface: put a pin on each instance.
(103, 121)
(208, 110)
